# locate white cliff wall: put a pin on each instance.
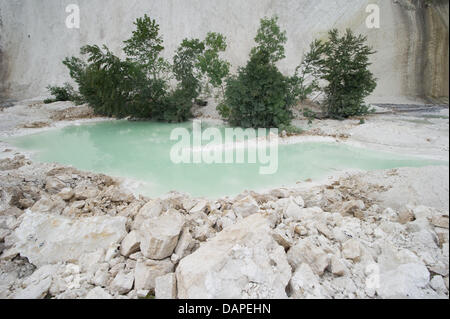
(412, 43)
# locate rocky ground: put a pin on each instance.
(71, 234)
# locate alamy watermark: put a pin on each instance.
(373, 19)
(226, 146)
(73, 19)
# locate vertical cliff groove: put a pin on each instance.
(426, 57)
(436, 69)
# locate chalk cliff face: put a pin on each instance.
(412, 41)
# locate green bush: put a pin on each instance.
(260, 95)
(343, 62)
(63, 93)
(257, 96)
(139, 86)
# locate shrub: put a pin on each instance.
(260, 95)
(257, 96)
(197, 65)
(109, 85)
(63, 93)
(139, 85)
(343, 61)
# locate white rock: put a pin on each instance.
(112, 252)
(293, 211)
(147, 271)
(351, 249)
(424, 212)
(130, 244)
(83, 192)
(337, 266)
(132, 209)
(53, 205)
(307, 252)
(445, 250)
(35, 291)
(152, 209)
(282, 239)
(391, 257)
(187, 204)
(90, 262)
(101, 277)
(405, 216)
(184, 244)
(305, 213)
(279, 193)
(406, 281)
(442, 235)
(243, 261)
(98, 293)
(440, 221)
(3, 234)
(66, 194)
(46, 239)
(38, 284)
(438, 284)
(199, 207)
(391, 214)
(166, 287)
(324, 230)
(246, 207)
(142, 293)
(123, 282)
(54, 185)
(352, 207)
(159, 236)
(305, 284)
(115, 194)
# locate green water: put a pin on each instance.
(141, 151)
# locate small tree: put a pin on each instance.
(259, 95)
(343, 61)
(145, 47)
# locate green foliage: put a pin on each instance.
(108, 84)
(139, 86)
(260, 95)
(343, 62)
(270, 40)
(310, 115)
(145, 46)
(185, 67)
(63, 93)
(210, 64)
(305, 79)
(291, 129)
(197, 64)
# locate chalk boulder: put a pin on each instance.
(159, 236)
(48, 239)
(243, 261)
